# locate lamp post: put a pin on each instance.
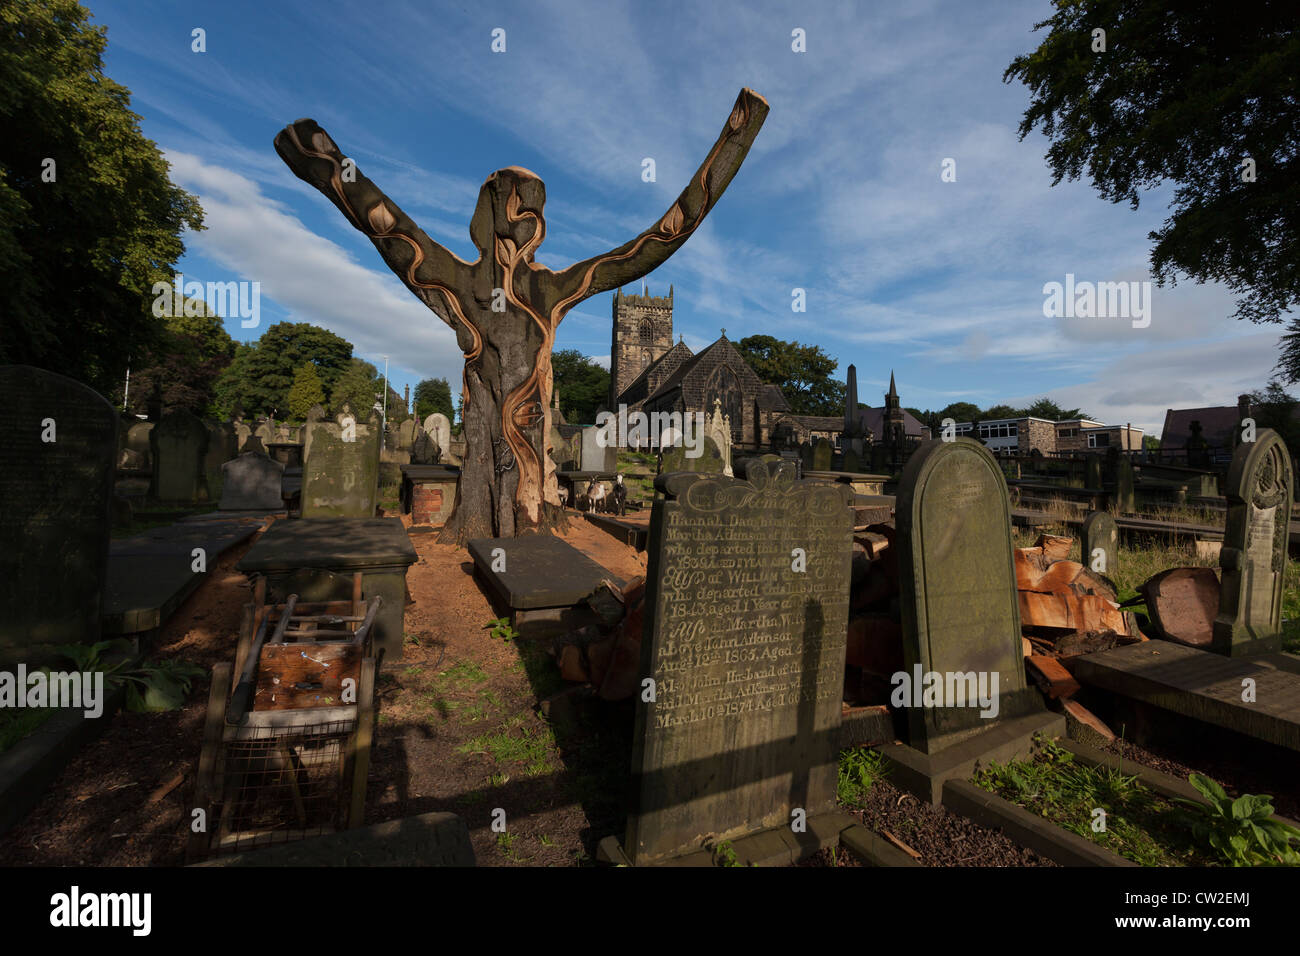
(385, 392)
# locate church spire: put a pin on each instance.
(893, 392)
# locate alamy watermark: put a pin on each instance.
(229, 300)
(656, 430)
(946, 689)
(53, 689)
(1098, 300)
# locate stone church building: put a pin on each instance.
(649, 373)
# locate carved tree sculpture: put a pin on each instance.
(508, 484)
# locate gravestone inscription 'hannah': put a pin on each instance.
(57, 442)
(960, 611)
(1254, 555)
(747, 598)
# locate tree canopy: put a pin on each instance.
(803, 373)
(583, 385)
(434, 395)
(89, 219)
(262, 374)
(1201, 94)
(305, 392)
(361, 386)
(182, 366)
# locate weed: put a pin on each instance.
(724, 854)
(501, 628)
(859, 769)
(1240, 830)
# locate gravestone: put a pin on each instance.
(1121, 470)
(595, 457)
(266, 433)
(251, 482)
(137, 442)
(960, 609)
(1092, 475)
(406, 434)
(821, 455)
(180, 443)
(424, 450)
(341, 479)
(709, 461)
(242, 434)
(562, 452)
(1253, 559)
(316, 413)
(852, 463)
(806, 456)
(1100, 543)
(438, 426)
(221, 449)
(59, 440)
(747, 654)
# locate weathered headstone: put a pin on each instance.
(242, 434)
(341, 479)
(1254, 555)
(266, 433)
(406, 434)
(424, 450)
(596, 456)
(806, 456)
(221, 449)
(960, 610)
(1121, 470)
(747, 604)
(438, 426)
(1100, 543)
(852, 463)
(251, 482)
(1092, 476)
(180, 443)
(821, 455)
(137, 442)
(708, 461)
(58, 441)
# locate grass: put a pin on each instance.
(859, 769)
(530, 748)
(1139, 825)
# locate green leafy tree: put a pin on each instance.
(803, 373)
(183, 365)
(305, 392)
(434, 395)
(260, 377)
(1201, 94)
(1275, 408)
(1002, 411)
(1046, 408)
(82, 241)
(583, 385)
(960, 412)
(361, 386)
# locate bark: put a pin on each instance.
(505, 307)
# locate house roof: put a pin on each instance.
(873, 419)
(733, 359)
(1218, 422)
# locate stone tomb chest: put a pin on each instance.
(377, 547)
(541, 579)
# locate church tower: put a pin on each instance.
(642, 333)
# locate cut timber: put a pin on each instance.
(1183, 603)
(1086, 717)
(1069, 612)
(1055, 547)
(1059, 577)
(1049, 674)
(1030, 566)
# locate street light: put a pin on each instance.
(385, 391)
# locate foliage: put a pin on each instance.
(360, 386)
(803, 373)
(79, 255)
(1275, 408)
(149, 687)
(724, 854)
(261, 374)
(859, 768)
(434, 395)
(1240, 830)
(180, 369)
(501, 628)
(1183, 93)
(305, 392)
(970, 412)
(583, 386)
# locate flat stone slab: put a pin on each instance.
(632, 533)
(150, 574)
(430, 839)
(1201, 685)
(353, 543)
(418, 472)
(541, 571)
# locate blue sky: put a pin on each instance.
(942, 282)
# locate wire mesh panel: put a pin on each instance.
(278, 784)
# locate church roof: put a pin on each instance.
(722, 352)
(639, 388)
